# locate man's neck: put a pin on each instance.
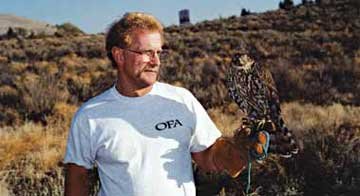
(130, 91)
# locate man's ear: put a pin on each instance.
(118, 55)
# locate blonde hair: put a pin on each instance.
(120, 32)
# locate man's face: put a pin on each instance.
(141, 63)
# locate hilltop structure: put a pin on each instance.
(286, 4)
(184, 17)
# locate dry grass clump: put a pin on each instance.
(4, 189)
(17, 67)
(39, 94)
(30, 156)
(322, 118)
(45, 67)
(9, 99)
(8, 96)
(3, 59)
(30, 91)
(225, 121)
(45, 145)
(62, 115)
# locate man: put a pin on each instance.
(143, 134)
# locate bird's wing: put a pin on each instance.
(252, 87)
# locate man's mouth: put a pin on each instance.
(148, 70)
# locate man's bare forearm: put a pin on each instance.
(76, 181)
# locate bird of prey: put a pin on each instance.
(252, 87)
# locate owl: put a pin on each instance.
(252, 87)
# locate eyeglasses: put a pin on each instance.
(162, 54)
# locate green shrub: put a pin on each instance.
(67, 28)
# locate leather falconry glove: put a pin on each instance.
(250, 142)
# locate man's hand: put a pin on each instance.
(253, 136)
(233, 154)
(250, 142)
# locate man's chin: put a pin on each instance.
(150, 77)
(149, 81)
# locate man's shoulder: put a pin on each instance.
(97, 101)
(173, 89)
(177, 93)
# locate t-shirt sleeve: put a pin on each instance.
(78, 149)
(205, 131)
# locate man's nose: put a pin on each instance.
(155, 59)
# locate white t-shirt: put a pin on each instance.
(141, 145)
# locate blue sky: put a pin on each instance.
(93, 16)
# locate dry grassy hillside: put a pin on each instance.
(15, 22)
(312, 50)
